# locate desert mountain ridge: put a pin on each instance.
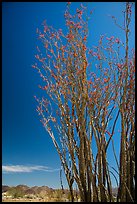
(35, 190)
(38, 189)
(27, 188)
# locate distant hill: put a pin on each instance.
(22, 187)
(39, 190)
(28, 190)
(5, 188)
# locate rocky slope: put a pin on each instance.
(41, 192)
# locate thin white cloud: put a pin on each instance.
(25, 169)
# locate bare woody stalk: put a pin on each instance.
(127, 103)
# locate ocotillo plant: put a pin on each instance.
(82, 105)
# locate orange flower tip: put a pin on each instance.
(37, 56)
(79, 11)
(85, 38)
(106, 80)
(41, 35)
(119, 65)
(45, 87)
(53, 119)
(99, 57)
(111, 38)
(117, 40)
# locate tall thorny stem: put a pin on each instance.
(85, 104)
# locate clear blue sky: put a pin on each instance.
(24, 141)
